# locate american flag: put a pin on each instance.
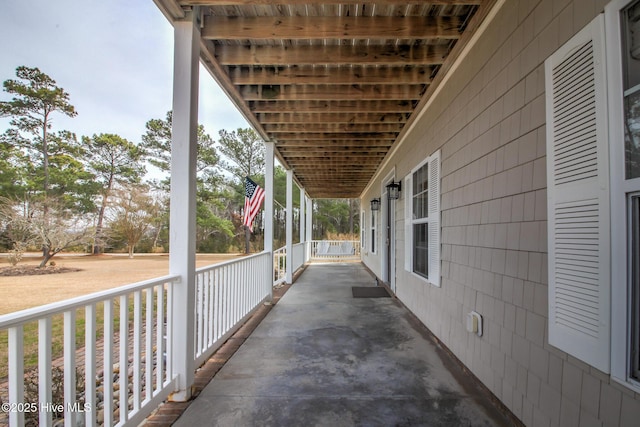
(254, 195)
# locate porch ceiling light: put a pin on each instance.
(375, 204)
(393, 190)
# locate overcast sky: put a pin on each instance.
(113, 57)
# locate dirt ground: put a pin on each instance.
(96, 273)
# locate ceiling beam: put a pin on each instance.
(331, 145)
(291, 156)
(330, 75)
(334, 159)
(336, 136)
(305, 2)
(331, 54)
(331, 93)
(313, 171)
(275, 118)
(332, 127)
(331, 27)
(331, 107)
(330, 176)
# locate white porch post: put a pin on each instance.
(268, 208)
(289, 227)
(183, 199)
(309, 229)
(302, 215)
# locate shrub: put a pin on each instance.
(57, 392)
(15, 254)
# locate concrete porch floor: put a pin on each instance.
(323, 358)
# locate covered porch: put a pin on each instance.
(323, 357)
(332, 89)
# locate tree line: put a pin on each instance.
(93, 193)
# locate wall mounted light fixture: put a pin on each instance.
(393, 190)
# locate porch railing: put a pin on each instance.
(121, 378)
(226, 294)
(126, 375)
(297, 258)
(280, 260)
(335, 250)
(279, 265)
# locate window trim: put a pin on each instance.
(433, 219)
(363, 230)
(620, 187)
(373, 230)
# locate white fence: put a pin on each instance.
(280, 260)
(226, 294)
(122, 378)
(279, 265)
(126, 375)
(119, 368)
(298, 256)
(335, 250)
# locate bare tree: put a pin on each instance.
(133, 213)
(44, 223)
(17, 229)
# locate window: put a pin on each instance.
(630, 52)
(373, 231)
(623, 68)
(634, 283)
(422, 220)
(630, 21)
(593, 163)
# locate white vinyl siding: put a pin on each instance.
(578, 198)
(422, 220)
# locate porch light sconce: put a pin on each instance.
(393, 190)
(375, 204)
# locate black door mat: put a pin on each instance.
(370, 292)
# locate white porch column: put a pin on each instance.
(309, 230)
(302, 213)
(268, 207)
(289, 227)
(183, 200)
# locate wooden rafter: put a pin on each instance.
(304, 118)
(304, 2)
(300, 75)
(321, 136)
(332, 127)
(331, 92)
(332, 106)
(335, 83)
(332, 144)
(331, 27)
(341, 54)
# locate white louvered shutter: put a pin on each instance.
(578, 198)
(434, 218)
(408, 225)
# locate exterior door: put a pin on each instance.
(389, 243)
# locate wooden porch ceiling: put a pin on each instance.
(333, 84)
